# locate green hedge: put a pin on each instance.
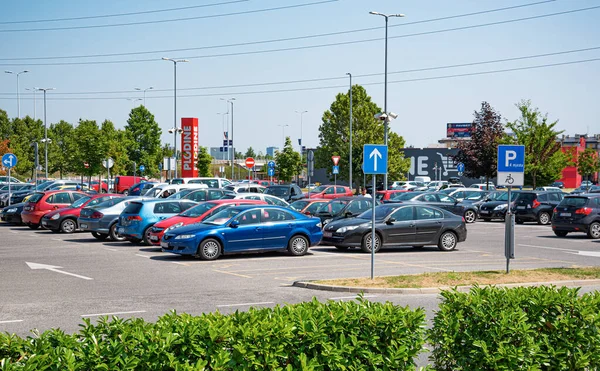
(353, 335)
(525, 328)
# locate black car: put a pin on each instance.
(579, 213)
(560, 185)
(536, 206)
(398, 225)
(208, 194)
(287, 192)
(17, 197)
(496, 208)
(343, 207)
(12, 214)
(441, 200)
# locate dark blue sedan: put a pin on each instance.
(243, 229)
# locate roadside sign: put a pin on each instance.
(9, 160)
(460, 167)
(169, 163)
(142, 168)
(86, 165)
(271, 171)
(336, 170)
(375, 159)
(511, 165)
(108, 163)
(336, 160)
(227, 143)
(271, 164)
(249, 162)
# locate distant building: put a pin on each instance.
(271, 151)
(220, 153)
(575, 145)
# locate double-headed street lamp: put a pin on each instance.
(134, 100)
(385, 123)
(283, 126)
(230, 101)
(45, 140)
(34, 90)
(175, 61)
(18, 96)
(144, 90)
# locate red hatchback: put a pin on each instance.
(41, 203)
(65, 220)
(329, 192)
(385, 195)
(193, 215)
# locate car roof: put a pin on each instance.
(149, 200)
(348, 198)
(234, 200)
(247, 207)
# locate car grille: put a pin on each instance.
(156, 229)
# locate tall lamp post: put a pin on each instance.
(134, 100)
(175, 61)
(18, 96)
(283, 126)
(224, 128)
(34, 90)
(230, 101)
(350, 165)
(385, 123)
(144, 90)
(45, 140)
(301, 113)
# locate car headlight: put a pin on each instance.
(55, 216)
(347, 229)
(500, 207)
(176, 225)
(326, 221)
(185, 236)
(11, 210)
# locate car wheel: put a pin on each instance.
(146, 235)
(126, 192)
(543, 218)
(486, 219)
(594, 230)
(99, 236)
(342, 248)
(561, 233)
(33, 226)
(68, 226)
(298, 245)
(209, 249)
(519, 221)
(447, 241)
(112, 233)
(470, 216)
(366, 242)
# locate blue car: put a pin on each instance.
(243, 229)
(139, 189)
(136, 221)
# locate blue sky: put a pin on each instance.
(568, 93)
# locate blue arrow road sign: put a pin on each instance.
(460, 167)
(511, 159)
(271, 171)
(336, 170)
(375, 159)
(271, 164)
(9, 160)
(142, 168)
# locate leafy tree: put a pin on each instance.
(204, 162)
(289, 162)
(588, 163)
(116, 144)
(544, 161)
(250, 152)
(334, 133)
(61, 150)
(144, 134)
(480, 154)
(3, 150)
(24, 132)
(89, 148)
(5, 125)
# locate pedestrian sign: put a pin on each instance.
(375, 159)
(511, 165)
(336, 170)
(9, 160)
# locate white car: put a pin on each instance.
(482, 186)
(462, 193)
(271, 200)
(407, 185)
(246, 188)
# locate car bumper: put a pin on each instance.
(156, 237)
(48, 223)
(12, 218)
(129, 232)
(492, 214)
(581, 225)
(526, 216)
(183, 247)
(32, 217)
(348, 239)
(95, 225)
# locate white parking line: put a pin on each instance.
(352, 297)
(143, 256)
(112, 314)
(12, 321)
(244, 304)
(550, 248)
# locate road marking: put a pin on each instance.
(244, 304)
(549, 248)
(233, 274)
(15, 232)
(590, 253)
(352, 297)
(113, 313)
(106, 248)
(12, 321)
(144, 256)
(57, 239)
(54, 268)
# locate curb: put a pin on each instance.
(432, 290)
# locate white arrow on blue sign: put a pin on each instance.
(460, 167)
(271, 171)
(375, 159)
(9, 160)
(142, 168)
(271, 164)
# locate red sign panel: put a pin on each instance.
(336, 160)
(458, 130)
(189, 147)
(249, 162)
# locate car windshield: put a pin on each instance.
(180, 194)
(504, 196)
(298, 205)
(404, 196)
(80, 202)
(278, 191)
(223, 216)
(153, 192)
(573, 202)
(333, 207)
(35, 197)
(381, 212)
(319, 189)
(196, 211)
(109, 203)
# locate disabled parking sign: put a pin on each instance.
(511, 165)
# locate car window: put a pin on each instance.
(543, 197)
(60, 198)
(554, 196)
(312, 208)
(167, 208)
(274, 215)
(215, 195)
(403, 214)
(459, 194)
(249, 217)
(359, 206)
(429, 198)
(428, 213)
(197, 196)
(340, 190)
(447, 199)
(186, 205)
(275, 201)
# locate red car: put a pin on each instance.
(65, 220)
(329, 192)
(193, 215)
(41, 203)
(308, 206)
(385, 195)
(94, 185)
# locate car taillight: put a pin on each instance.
(463, 218)
(555, 210)
(135, 217)
(97, 215)
(584, 211)
(536, 203)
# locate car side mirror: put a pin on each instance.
(390, 221)
(307, 213)
(234, 224)
(348, 214)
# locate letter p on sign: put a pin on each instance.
(510, 156)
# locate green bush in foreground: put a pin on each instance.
(354, 335)
(525, 328)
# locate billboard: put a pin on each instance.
(458, 130)
(189, 147)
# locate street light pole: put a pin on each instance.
(386, 121)
(34, 90)
(283, 126)
(45, 131)
(350, 152)
(18, 95)
(134, 100)
(144, 90)
(230, 138)
(175, 61)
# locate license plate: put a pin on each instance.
(327, 234)
(153, 238)
(483, 211)
(520, 207)
(565, 214)
(164, 244)
(121, 230)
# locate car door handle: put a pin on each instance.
(257, 229)
(411, 225)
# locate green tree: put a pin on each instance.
(89, 148)
(5, 125)
(116, 145)
(544, 160)
(289, 162)
(204, 162)
(250, 152)
(144, 134)
(24, 132)
(480, 154)
(588, 163)
(334, 133)
(61, 150)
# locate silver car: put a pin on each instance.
(101, 219)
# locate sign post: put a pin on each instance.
(310, 164)
(511, 172)
(108, 163)
(375, 160)
(9, 161)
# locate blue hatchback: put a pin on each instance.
(136, 221)
(243, 229)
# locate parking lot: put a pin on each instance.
(54, 280)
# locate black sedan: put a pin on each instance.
(496, 208)
(12, 214)
(441, 200)
(398, 225)
(343, 207)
